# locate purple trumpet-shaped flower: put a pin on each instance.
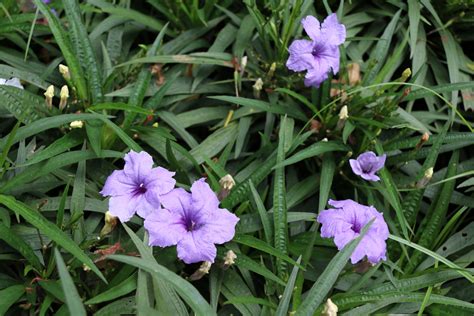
(320, 55)
(367, 164)
(345, 223)
(192, 221)
(138, 187)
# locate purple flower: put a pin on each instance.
(138, 187)
(192, 221)
(345, 223)
(320, 55)
(367, 164)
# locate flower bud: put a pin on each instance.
(353, 71)
(243, 64)
(64, 95)
(343, 115)
(49, 94)
(257, 87)
(330, 309)
(64, 70)
(203, 270)
(426, 178)
(406, 74)
(76, 124)
(155, 125)
(110, 223)
(227, 182)
(271, 72)
(229, 258)
(424, 138)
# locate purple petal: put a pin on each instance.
(330, 57)
(333, 31)
(221, 226)
(118, 184)
(301, 57)
(122, 207)
(165, 228)
(194, 247)
(333, 222)
(177, 201)
(203, 197)
(380, 163)
(375, 248)
(342, 239)
(160, 180)
(355, 166)
(315, 76)
(370, 177)
(359, 253)
(145, 206)
(312, 27)
(138, 165)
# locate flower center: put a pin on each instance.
(141, 189)
(356, 227)
(191, 224)
(317, 51)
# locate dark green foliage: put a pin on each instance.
(178, 79)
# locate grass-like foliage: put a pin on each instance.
(204, 88)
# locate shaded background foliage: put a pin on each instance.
(179, 64)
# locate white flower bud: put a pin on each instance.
(64, 70)
(343, 114)
(64, 95)
(49, 94)
(227, 182)
(76, 124)
(229, 258)
(330, 309)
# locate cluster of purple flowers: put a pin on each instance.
(192, 221)
(195, 223)
(320, 56)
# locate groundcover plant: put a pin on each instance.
(227, 157)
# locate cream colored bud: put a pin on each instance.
(110, 223)
(344, 113)
(426, 178)
(49, 94)
(155, 125)
(273, 67)
(243, 64)
(203, 270)
(229, 258)
(64, 70)
(354, 73)
(76, 124)
(330, 309)
(258, 84)
(324, 139)
(227, 182)
(64, 95)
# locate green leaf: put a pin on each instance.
(279, 203)
(316, 149)
(284, 304)
(9, 296)
(20, 245)
(73, 300)
(435, 256)
(119, 106)
(125, 287)
(263, 246)
(49, 229)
